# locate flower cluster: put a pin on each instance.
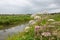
(51, 20)
(46, 30)
(33, 15)
(37, 27)
(46, 34)
(37, 17)
(32, 22)
(26, 29)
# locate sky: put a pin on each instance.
(28, 6)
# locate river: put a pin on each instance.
(4, 33)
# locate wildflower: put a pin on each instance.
(37, 27)
(51, 26)
(32, 22)
(37, 17)
(26, 29)
(51, 20)
(33, 15)
(46, 34)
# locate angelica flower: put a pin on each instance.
(27, 29)
(46, 34)
(32, 22)
(51, 20)
(33, 15)
(37, 17)
(37, 27)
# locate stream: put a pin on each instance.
(4, 33)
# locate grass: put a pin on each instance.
(31, 34)
(7, 21)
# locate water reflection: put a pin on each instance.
(10, 31)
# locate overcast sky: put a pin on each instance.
(29, 6)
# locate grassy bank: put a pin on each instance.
(7, 21)
(46, 28)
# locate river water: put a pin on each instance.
(4, 33)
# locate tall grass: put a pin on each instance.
(32, 34)
(7, 21)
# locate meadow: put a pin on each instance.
(7, 21)
(41, 27)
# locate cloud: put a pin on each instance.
(52, 6)
(29, 6)
(56, 10)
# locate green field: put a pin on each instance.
(7, 21)
(31, 34)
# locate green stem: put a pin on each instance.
(57, 38)
(49, 38)
(41, 38)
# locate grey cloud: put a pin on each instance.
(44, 5)
(57, 2)
(30, 6)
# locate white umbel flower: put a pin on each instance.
(27, 28)
(32, 22)
(37, 17)
(33, 15)
(51, 26)
(46, 34)
(51, 20)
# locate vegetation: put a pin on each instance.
(7, 21)
(47, 27)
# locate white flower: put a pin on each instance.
(37, 17)
(33, 15)
(46, 34)
(32, 22)
(51, 26)
(51, 20)
(27, 28)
